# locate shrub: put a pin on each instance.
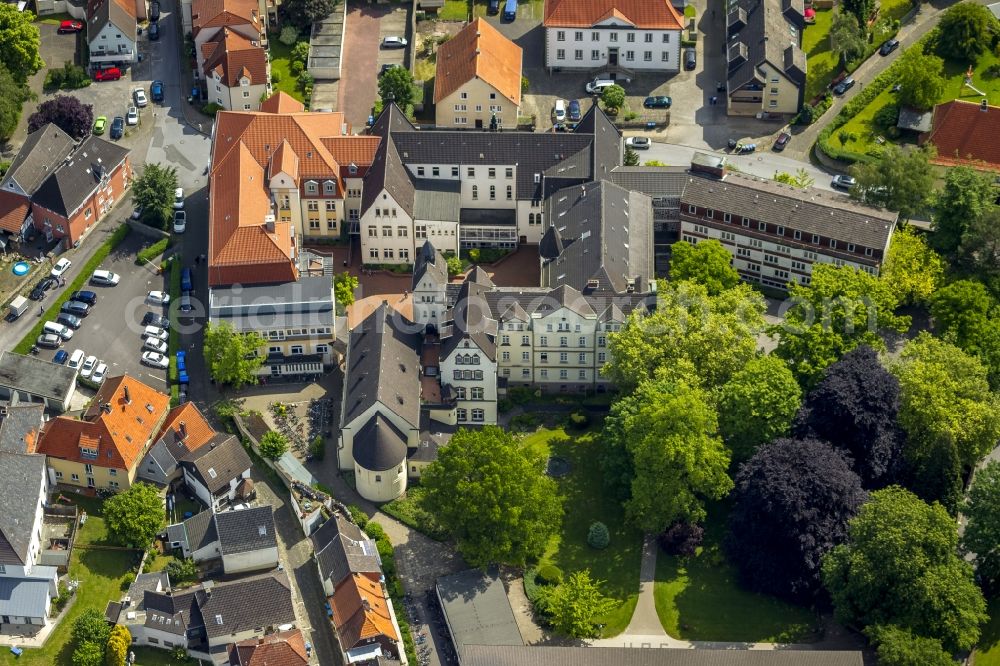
(211, 109)
(297, 67)
(358, 515)
(524, 84)
(75, 76)
(273, 445)
(682, 539)
(182, 571)
(289, 35)
(524, 422)
(579, 420)
(54, 79)
(520, 395)
(886, 117)
(306, 80)
(598, 536)
(317, 448)
(550, 574)
(275, 76)
(532, 589)
(300, 52)
(146, 255)
(374, 530)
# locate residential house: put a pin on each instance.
(244, 539)
(131, 611)
(364, 620)
(341, 549)
(246, 608)
(429, 287)
(103, 448)
(766, 64)
(21, 427)
(112, 32)
(171, 619)
(477, 78)
(196, 537)
(82, 190)
(42, 152)
(237, 71)
(285, 648)
(958, 131)
(28, 379)
(210, 17)
(185, 430)
(214, 471)
(616, 37)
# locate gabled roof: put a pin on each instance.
(121, 420)
(361, 611)
(643, 14)
(430, 262)
(281, 102)
(200, 530)
(379, 445)
(285, 648)
(343, 549)
(965, 134)
(19, 497)
(42, 152)
(223, 13)
(246, 604)
(174, 613)
(13, 211)
(72, 184)
(246, 530)
(120, 13)
(765, 32)
(218, 462)
(480, 52)
(473, 320)
(21, 427)
(186, 428)
(234, 57)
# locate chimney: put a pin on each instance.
(128, 397)
(183, 430)
(269, 223)
(984, 106)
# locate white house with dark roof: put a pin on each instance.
(28, 379)
(342, 549)
(112, 32)
(244, 539)
(214, 471)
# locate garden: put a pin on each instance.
(289, 56)
(988, 651)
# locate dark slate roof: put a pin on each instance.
(101, 12)
(245, 604)
(477, 610)
(215, 464)
(765, 32)
(480, 276)
(199, 530)
(429, 262)
(42, 152)
(343, 549)
(246, 530)
(387, 170)
(36, 376)
(810, 210)
(494, 655)
(172, 612)
(153, 582)
(20, 427)
(665, 181)
(19, 498)
(437, 199)
(546, 300)
(69, 187)
(604, 232)
(379, 445)
(383, 365)
(606, 149)
(472, 319)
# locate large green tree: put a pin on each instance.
(966, 32)
(979, 252)
(896, 646)
(757, 405)
(708, 263)
(982, 530)
(841, 308)
(91, 627)
(576, 605)
(344, 285)
(667, 430)
(847, 39)
(88, 654)
(613, 97)
(689, 329)
(493, 496)
(154, 190)
(12, 98)
(273, 445)
(133, 517)
(900, 180)
(921, 78)
(900, 566)
(19, 42)
(396, 84)
(862, 11)
(967, 194)
(966, 314)
(116, 652)
(912, 270)
(233, 358)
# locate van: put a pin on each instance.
(154, 332)
(510, 10)
(56, 328)
(598, 85)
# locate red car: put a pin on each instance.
(70, 26)
(109, 74)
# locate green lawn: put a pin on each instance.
(454, 10)
(53, 19)
(281, 65)
(153, 657)
(408, 511)
(585, 500)
(101, 573)
(988, 651)
(701, 600)
(821, 62)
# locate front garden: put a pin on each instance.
(288, 66)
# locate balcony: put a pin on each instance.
(103, 57)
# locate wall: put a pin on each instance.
(611, 37)
(266, 558)
(103, 478)
(475, 108)
(381, 486)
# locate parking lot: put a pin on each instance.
(366, 26)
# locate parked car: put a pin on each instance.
(493, 7)
(66, 319)
(137, 213)
(60, 357)
(117, 128)
(180, 221)
(186, 302)
(61, 267)
(76, 359)
(782, 141)
(88, 297)
(559, 111)
(154, 31)
(573, 111)
(690, 59)
(75, 308)
(638, 143)
(598, 85)
(510, 10)
(46, 283)
(106, 278)
(132, 116)
(657, 102)
(55, 328)
(155, 345)
(386, 67)
(100, 124)
(139, 95)
(87, 369)
(154, 11)
(109, 74)
(843, 182)
(888, 46)
(155, 359)
(158, 297)
(100, 372)
(156, 90)
(179, 198)
(69, 26)
(394, 42)
(155, 332)
(48, 341)
(153, 319)
(844, 86)
(187, 279)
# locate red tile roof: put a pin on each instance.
(281, 102)
(120, 422)
(286, 648)
(647, 14)
(196, 430)
(221, 13)
(964, 134)
(233, 56)
(479, 51)
(13, 211)
(360, 611)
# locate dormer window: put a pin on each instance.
(244, 82)
(329, 187)
(311, 187)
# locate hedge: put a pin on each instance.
(95, 262)
(858, 103)
(146, 255)
(392, 584)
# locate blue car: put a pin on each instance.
(187, 279)
(60, 357)
(156, 91)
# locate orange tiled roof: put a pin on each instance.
(360, 611)
(117, 427)
(284, 160)
(648, 14)
(479, 51)
(196, 426)
(233, 57)
(13, 211)
(964, 134)
(285, 648)
(221, 13)
(357, 149)
(281, 102)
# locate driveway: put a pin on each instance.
(359, 74)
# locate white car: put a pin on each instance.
(155, 359)
(158, 297)
(100, 372)
(180, 221)
(107, 278)
(76, 359)
(559, 111)
(87, 368)
(61, 267)
(394, 42)
(179, 198)
(155, 345)
(638, 143)
(139, 95)
(132, 117)
(155, 332)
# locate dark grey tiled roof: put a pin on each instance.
(387, 172)
(153, 582)
(20, 426)
(42, 152)
(215, 464)
(809, 210)
(36, 376)
(546, 300)
(199, 530)
(607, 150)
(246, 604)
(104, 11)
(491, 655)
(667, 181)
(472, 320)
(342, 549)
(19, 498)
(172, 612)
(429, 262)
(379, 445)
(246, 530)
(67, 189)
(383, 366)
(437, 199)
(763, 30)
